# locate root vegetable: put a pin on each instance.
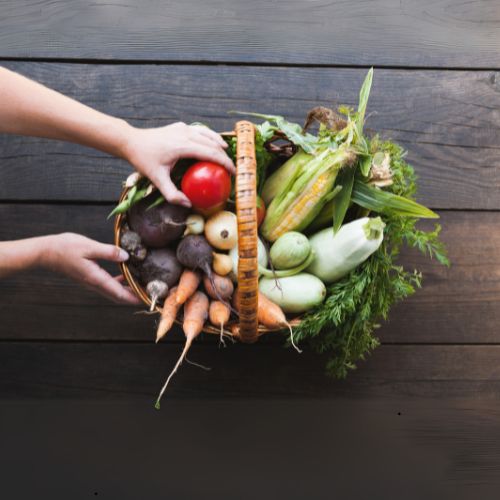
(221, 230)
(159, 225)
(131, 242)
(195, 224)
(195, 315)
(160, 264)
(223, 264)
(219, 315)
(187, 285)
(156, 290)
(218, 287)
(168, 314)
(194, 252)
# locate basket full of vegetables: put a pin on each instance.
(304, 238)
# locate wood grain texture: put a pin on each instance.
(381, 32)
(459, 304)
(448, 120)
(111, 371)
(304, 448)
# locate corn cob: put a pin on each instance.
(302, 198)
(302, 205)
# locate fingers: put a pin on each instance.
(206, 141)
(168, 189)
(102, 282)
(203, 152)
(210, 134)
(104, 251)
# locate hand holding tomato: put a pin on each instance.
(154, 153)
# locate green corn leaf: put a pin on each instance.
(384, 202)
(342, 201)
(364, 93)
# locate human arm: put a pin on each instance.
(29, 108)
(69, 254)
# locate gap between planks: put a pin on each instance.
(256, 64)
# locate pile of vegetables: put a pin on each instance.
(335, 206)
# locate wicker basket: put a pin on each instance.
(248, 329)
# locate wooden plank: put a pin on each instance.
(448, 120)
(114, 371)
(304, 449)
(380, 32)
(459, 304)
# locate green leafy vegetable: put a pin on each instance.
(308, 142)
(343, 326)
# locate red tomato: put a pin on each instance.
(207, 185)
(261, 211)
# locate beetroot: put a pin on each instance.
(194, 252)
(160, 267)
(160, 225)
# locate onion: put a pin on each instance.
(223, 264)
(221, 230)
(195, 224)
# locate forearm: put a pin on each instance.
(28, 108)
(20, 255)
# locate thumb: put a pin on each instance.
(107, 252)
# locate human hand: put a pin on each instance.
(154, 153)
(75, 255)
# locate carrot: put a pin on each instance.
(270, 315)
(187, 285)
(195, 315)
(168, 314)
(235, 331)
(219, 315)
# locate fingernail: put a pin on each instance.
(123, 255)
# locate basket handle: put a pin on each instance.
(246, 212)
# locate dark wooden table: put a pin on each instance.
(78, 374)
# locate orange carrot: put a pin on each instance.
(187, 285)
(168, 314)
(195, 315)
(235, 331)
(219, 315)
(270, 315)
